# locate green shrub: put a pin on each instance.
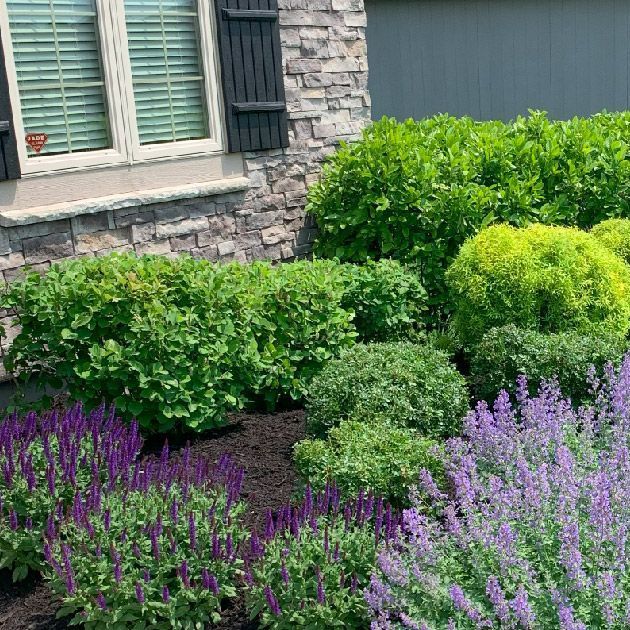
(543, 278)
(416, 190)
(387, 299)
(178, 342)
(377, 457)
(505, 353)
(404, 383)
(614, 234)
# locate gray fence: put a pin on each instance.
(498, 58)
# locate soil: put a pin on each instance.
(261, 443)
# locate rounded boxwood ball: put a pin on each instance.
(403, 383)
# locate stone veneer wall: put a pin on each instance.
(325, 63)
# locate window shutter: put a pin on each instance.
(9, 162)
(251, 65)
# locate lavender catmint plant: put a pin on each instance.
(311, 565)
(135, 559)
(45, 462)
(535, 530)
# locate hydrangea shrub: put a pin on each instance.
(48, 460)
(162, 551)
(536, 531)
(312, 564)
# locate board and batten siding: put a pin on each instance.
(495, 59)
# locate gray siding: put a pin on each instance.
(498, 58)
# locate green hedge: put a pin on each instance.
(179, 342)
(416, 190)
(507, 352)
(549, 279)
(377, 457)
(402, 383)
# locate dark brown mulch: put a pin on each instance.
(261, 443)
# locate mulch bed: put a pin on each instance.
(261, 443)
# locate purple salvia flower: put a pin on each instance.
(272, 602)
(100, 601)
(139, 593)
(192, 531)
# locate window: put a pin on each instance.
(111, 81)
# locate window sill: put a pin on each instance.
(55, 196)
(12, 218)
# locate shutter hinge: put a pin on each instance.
(250, 14)
(253, 106)
(5, 127)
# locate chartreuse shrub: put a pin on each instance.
(544, 278)
(45, 462)
(507, 352)
(417, 190)
(160, 552)
(400, 382)
(387, 299)
(312, 565)
(614, 234)
(179, 342)
(378, 457)
(535, 531)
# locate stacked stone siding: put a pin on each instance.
(325, 65)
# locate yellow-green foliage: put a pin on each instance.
(614, 234)
(541, 278)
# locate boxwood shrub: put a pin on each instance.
(180, 342)
(507, 352)
(416, 190)
(549, 279)
(378, 457)
(404, 383)
(614, 234)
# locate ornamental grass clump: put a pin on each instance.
(45, 462)
(162, 551)
(312, 564)
(535, 533)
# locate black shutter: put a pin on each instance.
(251, 68)
(9, 161)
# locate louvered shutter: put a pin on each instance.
(251, 68)
(9, 163)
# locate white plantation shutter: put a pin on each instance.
(167, 70)
(60, 77)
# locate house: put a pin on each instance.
(165, 126)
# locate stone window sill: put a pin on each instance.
(54, 212)
(38, 198)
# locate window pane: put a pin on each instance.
(167, 71)
(59, 72)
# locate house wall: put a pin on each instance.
(325, 66)
(494, 59)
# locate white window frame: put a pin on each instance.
(126, 147)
